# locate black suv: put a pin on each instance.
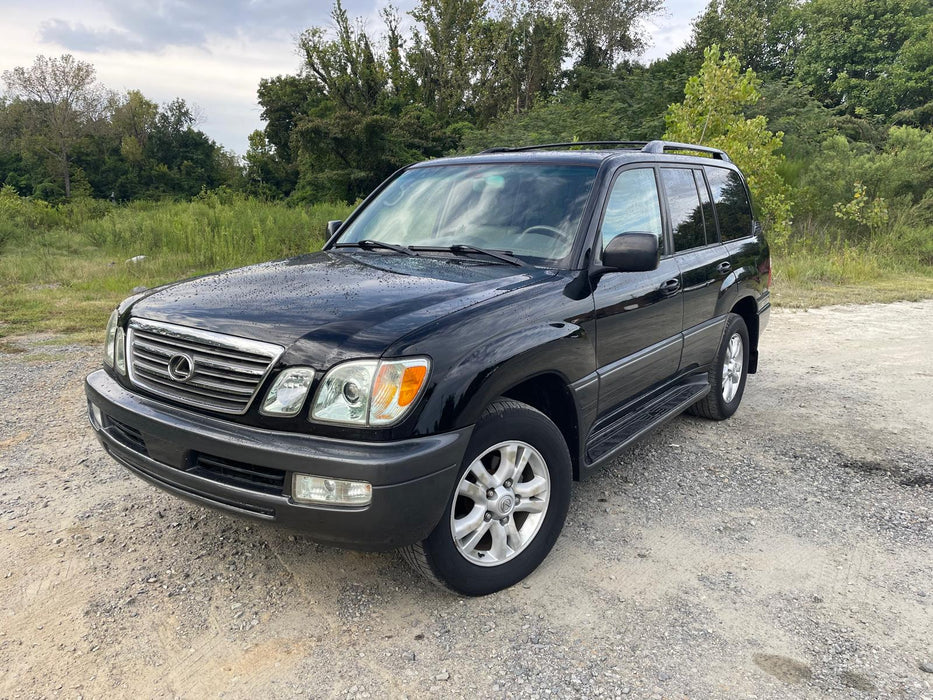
(481, 331)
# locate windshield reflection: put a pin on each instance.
(530, 210)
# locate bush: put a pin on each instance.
(711, 115)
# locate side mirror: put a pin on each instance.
(332, 228)
(632, 252)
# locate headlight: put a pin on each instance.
(111, 337)
(288, 392)
(370, 392)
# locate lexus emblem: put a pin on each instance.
(181, 367)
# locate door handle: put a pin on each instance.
(670, 286)
(724, 266)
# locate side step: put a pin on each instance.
(606, 440)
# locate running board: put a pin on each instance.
(607, 440)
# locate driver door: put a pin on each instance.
(639, 315)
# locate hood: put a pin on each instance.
(332, 305)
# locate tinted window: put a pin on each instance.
(684, 204)
(731, 199)
(633, 206)
(532, 210)
(708, 220)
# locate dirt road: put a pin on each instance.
(787, 552)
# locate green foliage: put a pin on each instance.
(61, 135)
(870, 212)
(760, 33)
(870, 57)
(66, 266)
(711, 115)
(217, 229)
(896, 177)
(362, 108)
(62, 101)
(604, 30)
(626, 103)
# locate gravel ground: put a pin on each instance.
(787, 552)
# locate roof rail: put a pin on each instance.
(662, 146)
(573, 144)
(655, 147)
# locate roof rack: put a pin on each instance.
(662, 146)
(657, 147)
(572, 144)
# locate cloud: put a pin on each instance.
(152, 25)
(79, 37)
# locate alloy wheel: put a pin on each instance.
(500, 503)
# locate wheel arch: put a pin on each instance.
(549, 393)
(747, 308)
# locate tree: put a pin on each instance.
(762, 34)
(870, 57)
(604, 30)
(132, 119)
(65, 101)
(711, 115)
(183, 160)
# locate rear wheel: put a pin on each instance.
(727, 374)
(507, 508)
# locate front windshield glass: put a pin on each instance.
(529, 210)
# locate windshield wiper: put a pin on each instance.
(462, 248)
(369, 244)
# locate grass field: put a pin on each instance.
(63, 270)
(66, 278)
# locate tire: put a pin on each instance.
(506, 526)
(726, 379)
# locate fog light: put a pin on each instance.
(119, 352)
(336, 492)
(97, 418)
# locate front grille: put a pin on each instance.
(246, 476)
(208, 370)
(126, 435)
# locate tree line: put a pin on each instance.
(62, 134)
(828, 102)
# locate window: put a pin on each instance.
(633, 206)
(731, 200)
(683, 200)
(530, 209)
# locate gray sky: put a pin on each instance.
(212, 53)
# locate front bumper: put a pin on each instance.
(412, 479)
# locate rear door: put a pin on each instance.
(703, 260)
(638, 314)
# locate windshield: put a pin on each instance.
(529, 210)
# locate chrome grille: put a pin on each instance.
(218, 372)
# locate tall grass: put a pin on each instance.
(63, 268)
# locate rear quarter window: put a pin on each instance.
(731, 201)
(683, 202)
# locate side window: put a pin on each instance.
(731, 200)
(633, 206)
(683, 201)
(707, 204)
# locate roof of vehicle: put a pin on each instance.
(590, 153)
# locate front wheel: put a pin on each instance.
(507, 508)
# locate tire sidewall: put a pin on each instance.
(512, 421)
(734, 325)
